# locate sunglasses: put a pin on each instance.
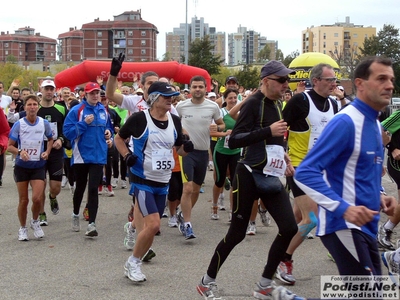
(328, 79)
(281, 80)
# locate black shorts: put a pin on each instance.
(55, 165)
(24, 174)
(194, 166)
(175, 186)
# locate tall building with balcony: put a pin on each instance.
(26, 45)
(339, 39)
(244, 46)
(175, 40)
(127, 33)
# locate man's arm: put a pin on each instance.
(112, 82)
(111, 87)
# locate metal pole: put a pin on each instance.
(186, 39)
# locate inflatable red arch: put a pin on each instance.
(88, 70)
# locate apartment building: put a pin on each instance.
(127, 33)
(340, 38)
(26, 45)
(197, 28)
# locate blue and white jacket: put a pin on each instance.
(88, 142)
(344, 168)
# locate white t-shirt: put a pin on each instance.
(196, 120)
(5, 102)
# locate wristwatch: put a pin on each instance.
(19, 151)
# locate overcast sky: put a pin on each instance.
(277, 20)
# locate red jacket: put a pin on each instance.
(4, 132)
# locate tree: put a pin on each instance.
(200, 55)
(279, 55)
(249, 77)
(385, 43)
(288, 59)
(264, 54)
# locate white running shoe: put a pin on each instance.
(129, 240)
(75, 223)
(251, 229)
(64, 181)
(109, 191)
(221, 205)
(37, 230)
(23, 234)
(114, 182)
(214, 216)
(123, 184)
(172, 222)
(133, 271)
(91, 230)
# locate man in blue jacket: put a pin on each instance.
(88, 127)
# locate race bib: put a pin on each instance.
(162, 159)
(276, 164)
(33, 149)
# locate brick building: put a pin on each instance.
(26, 45)
(98, 40)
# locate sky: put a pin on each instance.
(282, 21)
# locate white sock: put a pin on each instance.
(133, 259)
(389, 225)
(188, 223)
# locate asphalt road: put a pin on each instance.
(68, 265)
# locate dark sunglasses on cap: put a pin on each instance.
(281, 80)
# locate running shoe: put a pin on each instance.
(75, 223)
(148, 255)
(208, 291)
(43, 219)
(72, 189)
(210, 166)
(23, 234)
(201, 190)
(165, 213)
(86, 214)
(129, 240)
(180, 221)
(265, 218)
(221, 205)
(331, 257)
(284, 272)
(54, 205)
(309, 236)
(100, 190)
(214, 216)
(133, 271)
(274, 292)
(189, 232)
(123, 184)
(64, 181)
(227, 184)
(109, 191)
(383, 237)
(114, 182)
(37, 230)
(172, 222)
(251, 229)
(282, 293)
(388, 261)
(91, 230)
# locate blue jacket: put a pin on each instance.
(344, 168)
(88, 142)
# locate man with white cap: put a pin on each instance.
(55, 114)
(154, 133)
(260, 130)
